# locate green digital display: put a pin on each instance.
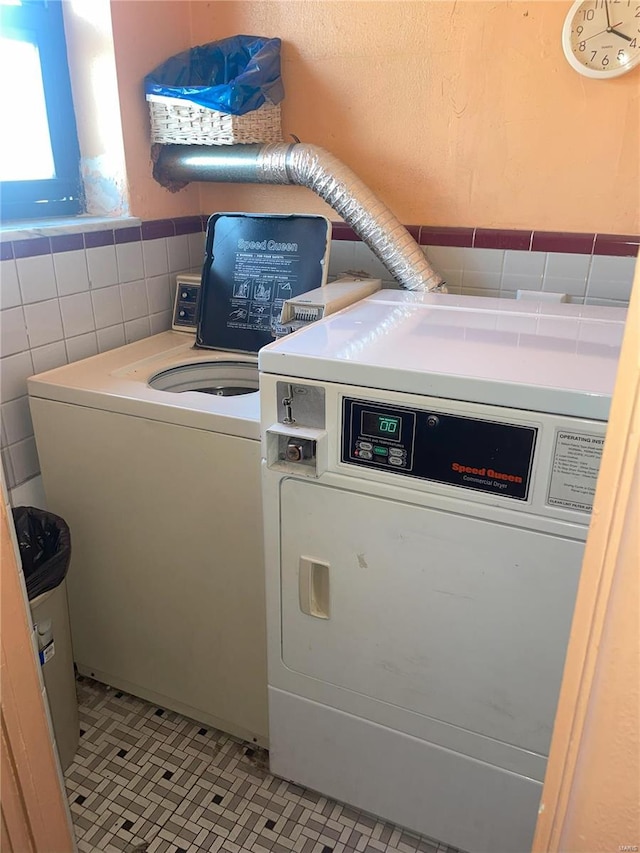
(381, 426)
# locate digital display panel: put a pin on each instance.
(381, 425)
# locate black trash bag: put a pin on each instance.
(45, 548)
(234, 75)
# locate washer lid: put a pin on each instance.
(560, 359)
(253, 262)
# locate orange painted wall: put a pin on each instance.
(145, 33)
(460, 113)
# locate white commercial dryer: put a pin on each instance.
(429, 465)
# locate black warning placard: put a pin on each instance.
(253, 263)
(574, 472)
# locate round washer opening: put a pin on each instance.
(220, 378)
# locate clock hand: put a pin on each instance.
(607, 30)
(622, 35)
(606, 9)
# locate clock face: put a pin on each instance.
(601, 38)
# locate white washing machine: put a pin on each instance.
(160, 487)
(151, 454)
(429, 465)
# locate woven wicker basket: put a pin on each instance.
(179, 122)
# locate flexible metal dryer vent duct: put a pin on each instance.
(316, 169)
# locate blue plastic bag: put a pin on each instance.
(234, 75)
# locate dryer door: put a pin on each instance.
(460, 619)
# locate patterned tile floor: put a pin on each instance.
(147, 779)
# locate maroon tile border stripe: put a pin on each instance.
(433, 236)
(97, 239)
(66, 243)
(156, 228)
(31, 248)
(342, 231)
(621, 245)
(561, 241)
(487, 238)
(616, 244)
(133, 234)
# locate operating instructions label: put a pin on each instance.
(576, 462)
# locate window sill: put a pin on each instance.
(25, 229)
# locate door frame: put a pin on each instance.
(592, 789)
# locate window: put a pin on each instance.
(39, 154)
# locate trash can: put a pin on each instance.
(45, 551)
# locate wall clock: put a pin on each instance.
(601, 38)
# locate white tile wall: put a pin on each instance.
(107, 306)
(56, 309)
(37, 278)
(134, 300)
(511, 283)
(72, 274)
(159, 293)
(130, 262)
(609, 278)
(134, 330)
(113, 337)
(82, 346)
(160, 322)
(14, 370)
(524, 263)
(24, 459)
(559, 284)
(13, 331)
(16, 420)
(49, 357)
(342, 257)
(9, 288)
(196, 251)
(497, 272)
(77, 314)
(581, 277)
(567, 265)
(103, 267)
(44, 322)
(178, 252)
(156, 261)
